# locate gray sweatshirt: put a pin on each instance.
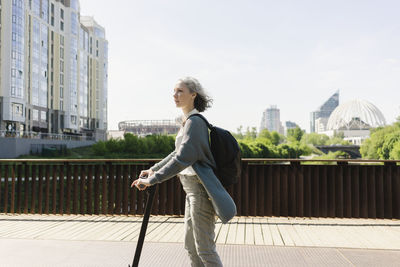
(195, 151)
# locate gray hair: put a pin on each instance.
(202, 100)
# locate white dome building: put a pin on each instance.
(355, 119)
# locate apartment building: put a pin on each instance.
(53, 69)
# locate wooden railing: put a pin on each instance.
(268, 187)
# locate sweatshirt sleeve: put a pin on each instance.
(160, 164)
(195, 135)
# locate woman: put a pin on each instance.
(193, 162)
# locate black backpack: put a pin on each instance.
(226, 153)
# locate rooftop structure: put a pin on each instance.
(148, 127)
(356, 115)
(354, 119)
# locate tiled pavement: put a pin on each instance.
(35, 240)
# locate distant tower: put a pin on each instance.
(271, 120)
(319, 118)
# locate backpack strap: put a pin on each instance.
(203, 118)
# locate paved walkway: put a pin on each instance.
(35, 240)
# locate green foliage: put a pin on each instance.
(262, 147)
(315, 139)
(274, 137)
(239, 135)
(335, 155)
(295, 134)
(395, 153)
(336, 140)
(383, 143)
(251, 134)
(152, 146)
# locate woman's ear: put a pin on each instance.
(194, 95)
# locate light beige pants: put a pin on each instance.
(199, 224)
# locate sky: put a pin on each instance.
(248, 55)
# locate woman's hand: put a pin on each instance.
(142, 183)
(146, 173)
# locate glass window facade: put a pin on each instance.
(83, 76)
(73, 56)
(105, 82)
(74, 4)
(44, 60)
(17, 49)
(44, 14)
(36, 7)
(35, 61)
(99, 33)
(74, 23)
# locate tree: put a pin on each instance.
(395, 153)
(382, 142)
(274, 137)
(315, 139)
(295, 134)
(251, 134)
(239, 135)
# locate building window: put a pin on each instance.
(43, 116)
(62, 13)
(61, 25)
(35, 115)
(61, 79)
(17, 109)
(61, 92)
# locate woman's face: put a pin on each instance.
(183, 97)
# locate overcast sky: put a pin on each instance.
(249, 55)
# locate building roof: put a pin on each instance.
(355, 114)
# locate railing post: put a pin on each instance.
(12, 206)
(75, 191)
(47, 200)
(118, 190)
(89, 193)
(33, 190)
(69, 189)
(104, 187)
(19, 188)
(54, 188)
(388, 196)
(26, 188)
(6, 170)
(82, 195)
(125, 189)
(97, 190)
